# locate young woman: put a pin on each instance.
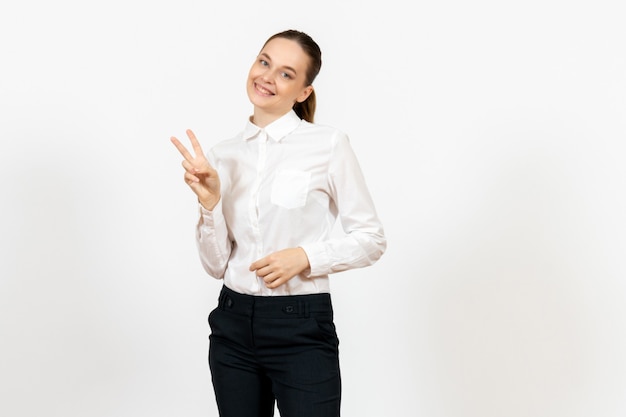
(269, 198)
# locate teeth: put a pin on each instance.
(263, 90)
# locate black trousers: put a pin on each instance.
(266, 349)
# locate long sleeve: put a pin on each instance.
(364, 241)
(214, 246)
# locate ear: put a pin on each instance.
(305, 94)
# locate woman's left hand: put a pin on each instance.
(279, 267)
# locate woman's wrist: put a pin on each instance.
(209, 204)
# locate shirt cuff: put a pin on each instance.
(211, 217)
(319, 261)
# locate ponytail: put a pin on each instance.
(306, 109)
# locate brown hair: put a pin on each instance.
(306, 109)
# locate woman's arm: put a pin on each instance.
(364, 240)
(211, 232)
(214, 246)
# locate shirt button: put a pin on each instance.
(229, 302)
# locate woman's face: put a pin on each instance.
(277, 79)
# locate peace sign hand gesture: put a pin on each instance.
(199, 174)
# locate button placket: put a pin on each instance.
(253, 207)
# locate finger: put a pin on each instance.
(275, 283)
(258, 264)
(190, 178)
(204, 169)
(181, 148)
(263, 272)
(270, 278)
(193, 169)
(194, 142)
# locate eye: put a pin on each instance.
(286, 75)
(263, 62)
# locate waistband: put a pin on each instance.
(283, 306)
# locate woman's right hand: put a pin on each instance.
(201, 177)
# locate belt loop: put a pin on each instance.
(303, 309)
(222, 299)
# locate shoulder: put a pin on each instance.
(323, 132)
(225, 146)
(225, 150)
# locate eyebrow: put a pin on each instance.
(263, 54)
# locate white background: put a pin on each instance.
(492, 137)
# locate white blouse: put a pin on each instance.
(284, 186)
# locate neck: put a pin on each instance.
(262, 119)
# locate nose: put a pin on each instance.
(267, 76)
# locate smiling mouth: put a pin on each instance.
(263, 91)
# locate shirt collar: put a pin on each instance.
(276, 130)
